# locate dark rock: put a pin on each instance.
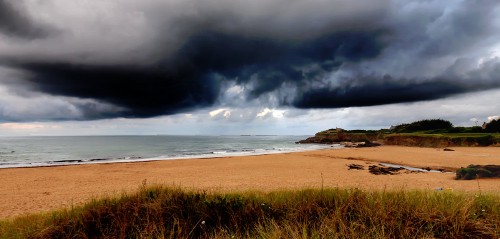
(447, 149)
(355, 166)
(369, 144)
(363, 144)
(381, 170)
(349, 144)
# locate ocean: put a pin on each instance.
(39, 151)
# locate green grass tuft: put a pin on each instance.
(159, 212)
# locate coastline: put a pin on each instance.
(38, 189)
(75, 150)
(164, 158)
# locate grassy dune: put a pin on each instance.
(158, 212)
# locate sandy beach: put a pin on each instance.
(30, 190)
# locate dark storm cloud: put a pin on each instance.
(379, 94)
(142, 91)
(462, 28)
(188, 80)
(179, 55)
(15, 22)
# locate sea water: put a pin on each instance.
(66, 150)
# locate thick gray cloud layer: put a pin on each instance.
(149, 58)
(15, 22)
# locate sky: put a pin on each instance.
(101, 67)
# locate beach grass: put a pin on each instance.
(160, 212)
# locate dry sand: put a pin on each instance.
(28, 190)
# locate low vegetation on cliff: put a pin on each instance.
(423, 125)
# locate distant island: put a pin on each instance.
(423, 133)
(259, 135)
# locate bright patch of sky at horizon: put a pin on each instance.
(287, 67)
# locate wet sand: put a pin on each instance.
(29, 190)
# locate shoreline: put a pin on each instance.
(211, 155)
(39, 189)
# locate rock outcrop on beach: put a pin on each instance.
(355, 166)
(359, 144)
(382, 170)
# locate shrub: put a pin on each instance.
(476, 171)
(424, 125)
(493, 126)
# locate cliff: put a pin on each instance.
(373, 138)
